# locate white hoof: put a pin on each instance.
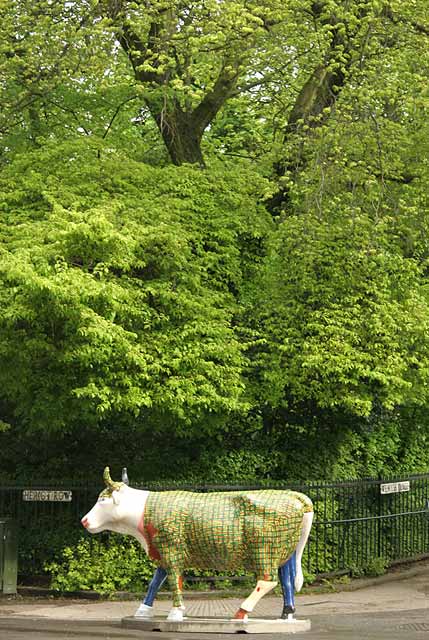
(176, 614)
(144, 611)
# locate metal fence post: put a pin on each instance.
(8, 555)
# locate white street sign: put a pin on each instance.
(37, 495)
(395, 487)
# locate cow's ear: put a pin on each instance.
(115, 496)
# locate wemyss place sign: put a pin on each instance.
(395, 487)
(41, 495)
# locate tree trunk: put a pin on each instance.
(179, 134)
(185, 148)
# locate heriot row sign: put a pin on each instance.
(37, 495)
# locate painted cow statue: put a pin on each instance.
(262, 531)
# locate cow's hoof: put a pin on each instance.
(287, 612)
(144, 611)
(175, 615)
(241, 615)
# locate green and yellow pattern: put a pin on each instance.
(256, 531)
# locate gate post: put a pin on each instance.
(8, 556)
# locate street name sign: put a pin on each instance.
(42, 495)
(394, 487)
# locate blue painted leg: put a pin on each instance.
(287, 575)
(155, 584)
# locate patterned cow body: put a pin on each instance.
(257, 531)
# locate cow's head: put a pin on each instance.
(107, 512)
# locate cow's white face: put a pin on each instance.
(119, 508)
(106, 514)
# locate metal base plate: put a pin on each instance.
(218, 625)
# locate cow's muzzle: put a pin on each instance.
(85, 522)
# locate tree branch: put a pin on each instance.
(136, 52)
(209, 106)
(115, 114)
(319, 93)
(395, 19)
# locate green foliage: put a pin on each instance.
(345, 318)
(123, 300)
(373, 568)
(91, 565)
(237, 466)
(156, 315)
(4, 426)
(44, 542)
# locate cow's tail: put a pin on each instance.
(307, 521)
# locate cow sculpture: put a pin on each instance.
(262, 531)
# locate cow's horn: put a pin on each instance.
(107, 479)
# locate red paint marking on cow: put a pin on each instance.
(151, 532)
(148, 532)
(258, 589)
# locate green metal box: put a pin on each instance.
(8, 555)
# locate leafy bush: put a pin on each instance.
(374, 567)
(120, 285)
(345, 318)
(41, 544)
(93, 565)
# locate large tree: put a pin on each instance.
(83, 65)
(185, 59)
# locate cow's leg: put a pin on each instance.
(305, 532)
(262, 587)
(176, 582)
(287, 575)
(145, 610)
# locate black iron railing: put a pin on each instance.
(355, 523)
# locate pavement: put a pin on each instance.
(394, 606)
